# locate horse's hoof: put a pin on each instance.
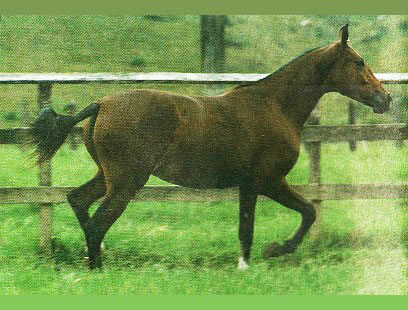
(242, 264)
(273, 250)
(95, 262)
(95, 266)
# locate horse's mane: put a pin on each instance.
(277, 71)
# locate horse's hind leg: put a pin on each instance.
(283, 194)
(120, 190)
(81, 198)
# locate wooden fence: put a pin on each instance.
(46, 196)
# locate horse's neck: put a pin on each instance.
(297, 91)
(296, 88)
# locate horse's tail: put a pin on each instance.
(49, 131)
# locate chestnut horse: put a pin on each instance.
(247, 138)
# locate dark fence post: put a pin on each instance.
(352, 121)
(212, 46)
(314, 151)
(44, 176)
(396, 112)
(25, 116)
(25, 113)
(71, 109)
(212, 43)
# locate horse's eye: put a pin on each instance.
(360, 62)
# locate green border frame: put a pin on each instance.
(182, 7)
(208, 302)
(231, 7)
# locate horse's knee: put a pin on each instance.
(124, 188)
(72, 198)
(86, 194)
(75, 201)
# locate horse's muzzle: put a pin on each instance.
(382, 105)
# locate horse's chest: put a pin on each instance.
(279, 152)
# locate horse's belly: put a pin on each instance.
(200, 172)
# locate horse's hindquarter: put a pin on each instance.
(135, 128)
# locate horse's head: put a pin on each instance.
(351, 77)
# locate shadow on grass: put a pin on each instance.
(338, 241)
(134, 257)
(329, 249)
(73, 254)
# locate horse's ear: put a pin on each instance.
(344, 34)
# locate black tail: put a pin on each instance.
(50, 129)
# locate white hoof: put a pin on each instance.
(242, 265)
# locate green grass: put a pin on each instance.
(168, 249)
(186, 248)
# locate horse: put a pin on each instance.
(248, 137)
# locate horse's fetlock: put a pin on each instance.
(289, 246)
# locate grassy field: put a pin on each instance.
(186, 248)
(183, 248)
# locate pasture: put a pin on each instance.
(187, 248)
(184, 248)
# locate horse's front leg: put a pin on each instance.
(283, 194)
(247, 202)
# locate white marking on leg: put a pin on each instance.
(242, 265)
(102, 247)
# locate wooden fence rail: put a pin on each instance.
(174, 193)
(46, 196)
(156, 78)
(311, 133)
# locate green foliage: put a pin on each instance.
(156, 18)
(138, 61)
(10, 116)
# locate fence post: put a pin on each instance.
(396, 113)
(25, 113)
(314, 150)
(44, 178)
(212, 47)
(25, 117)
(212, 43)
(71, 109)
(352, 121)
